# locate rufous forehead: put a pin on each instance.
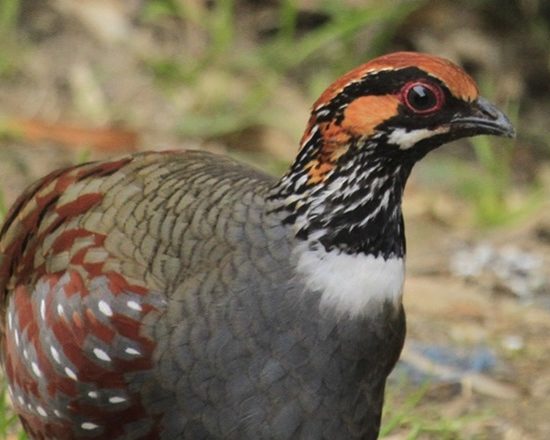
(460, 84)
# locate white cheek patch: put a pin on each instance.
(406, 139)
(352, 285)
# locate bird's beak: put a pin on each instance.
(484, 118)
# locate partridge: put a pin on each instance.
(183, 295)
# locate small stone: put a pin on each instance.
(513, 342)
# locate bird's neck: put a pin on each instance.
(355, 209)
(348, 227)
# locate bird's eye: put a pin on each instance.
(421, 97)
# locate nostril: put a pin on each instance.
(487, 109)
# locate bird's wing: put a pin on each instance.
(88, 256)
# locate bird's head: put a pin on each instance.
(364, 135)
(398, 106)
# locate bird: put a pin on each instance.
(185, 295)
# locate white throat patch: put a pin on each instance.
(406, 139)
(351, 285)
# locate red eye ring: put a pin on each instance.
(422, 97)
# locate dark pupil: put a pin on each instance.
(421, 98)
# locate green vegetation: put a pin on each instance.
(9, 424)
(9, 14)
(328, 49)
(414, 414)
(492, 191)
(487, 185)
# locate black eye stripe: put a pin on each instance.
(386, 82)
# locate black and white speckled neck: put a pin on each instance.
(356, 209)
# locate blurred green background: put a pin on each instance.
(89, 79)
